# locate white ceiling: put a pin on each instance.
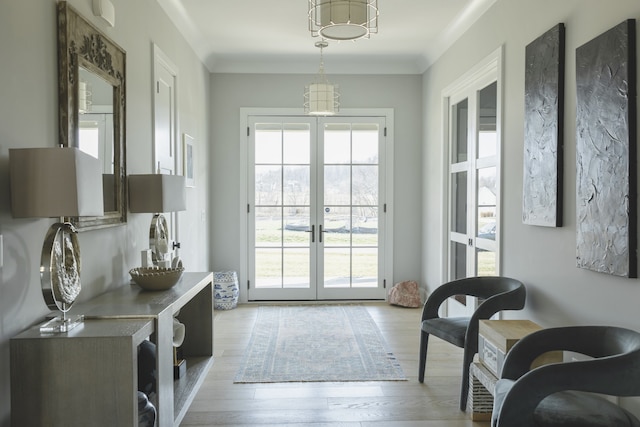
(272, 36)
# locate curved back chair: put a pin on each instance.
(560, 394)
(498, 293)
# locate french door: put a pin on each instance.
(473, 111)
(315, 198)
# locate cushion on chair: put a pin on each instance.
(450, 329)
(570, 409)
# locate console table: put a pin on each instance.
(90, 373)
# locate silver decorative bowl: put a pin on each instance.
(156, 278)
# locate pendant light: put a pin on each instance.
(321, 98)
(343, 19)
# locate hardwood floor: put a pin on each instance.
(384, 403)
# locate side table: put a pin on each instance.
(482, 386)
(496, 337)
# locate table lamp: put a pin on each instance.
(156, 194)
(57, 182)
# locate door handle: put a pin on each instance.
(313, 233)
(320, 234)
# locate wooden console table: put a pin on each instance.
(102, 390)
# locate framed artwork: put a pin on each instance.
(188, 166)
(606, 152)
(543, 129)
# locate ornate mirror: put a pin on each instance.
(91, 96)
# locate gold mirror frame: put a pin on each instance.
(81, 44)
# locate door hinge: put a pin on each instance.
(248, 130)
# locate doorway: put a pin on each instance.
(316, 200)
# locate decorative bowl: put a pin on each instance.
(156, 278)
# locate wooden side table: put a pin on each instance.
(496, 337)
(482, 386)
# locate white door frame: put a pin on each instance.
(161, 60)
(487, 71)
(245, 113)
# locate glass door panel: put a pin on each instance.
(282, 215)
(350, 235)
(316, 198)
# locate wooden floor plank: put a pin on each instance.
(220, 402)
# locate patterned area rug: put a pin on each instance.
(317, 343)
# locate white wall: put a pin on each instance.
(230, 92)
(543, 258)
(29, 118)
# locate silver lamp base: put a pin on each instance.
(61, 324)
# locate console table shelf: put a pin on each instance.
(190, 301)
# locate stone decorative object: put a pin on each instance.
(226, 290)
(405, 294)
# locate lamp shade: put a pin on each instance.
(155, 193)
(343, 19)
(54, 182)
(321, 99)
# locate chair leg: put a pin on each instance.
(424, 340)
(464, 389)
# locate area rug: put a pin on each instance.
(317, 343)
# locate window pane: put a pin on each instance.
(337, 185)
(337, 268)
(296, 226)
(459, 203)
(268, 226)
(337, 226)
(268, 144)
(486, 262)
(268, 268)
(487, 202)
(365, 185)
(458, 261)
(296, 268)
(365, 226)
(365, 143)
(296, 185)
(337, 143)
(297, 142)
(460, 132)
(487, 136)
(365, 268)
(268, 189)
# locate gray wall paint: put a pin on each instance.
(544, 258)
(28, 118)
(230, 92)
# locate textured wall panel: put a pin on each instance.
(606, 152)
(543, 126)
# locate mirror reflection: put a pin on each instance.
(95, 128)
(92, 105)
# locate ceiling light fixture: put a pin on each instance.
(321, 98)
(343, 19)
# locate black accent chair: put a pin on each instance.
(561, 394)
(497, 293)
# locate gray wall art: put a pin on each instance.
(606, 152)
(543, 129)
